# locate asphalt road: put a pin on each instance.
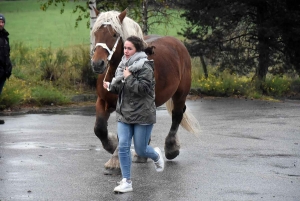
(247, 150)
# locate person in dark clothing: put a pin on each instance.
(5, 63)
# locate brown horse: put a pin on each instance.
(172, 66)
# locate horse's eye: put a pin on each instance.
(115, 35)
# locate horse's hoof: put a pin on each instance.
(171, 155)
(112, 172)
(139, 159)
(136, 158)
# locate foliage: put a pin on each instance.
(52, 66)
(48, 95)
(14, 92)
(28, 85)
(247, 35)
(148, 13)
(277, 85)
(226, 83)
(18, 92)
(84, 10)
(81, 61)
(223, 84)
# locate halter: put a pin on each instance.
(103, 45)
(111, 52)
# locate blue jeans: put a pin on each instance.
(141, 135)
(2, 81)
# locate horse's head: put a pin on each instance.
(107, 40)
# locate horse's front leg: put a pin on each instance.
(109, 140)
(172, 145)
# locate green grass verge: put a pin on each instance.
(27, 23)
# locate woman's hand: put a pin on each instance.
(105, 84)
(126, 72)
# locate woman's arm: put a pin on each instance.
(142, 83)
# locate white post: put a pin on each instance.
(93, 17)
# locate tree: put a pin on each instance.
(156, 12)
(242, 35)
(84, 11)
(141, 10)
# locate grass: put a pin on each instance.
(27, 23)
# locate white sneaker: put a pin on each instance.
(160, 164)
(124, 186)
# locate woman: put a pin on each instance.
(136, 111)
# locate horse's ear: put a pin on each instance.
(96, 11)
(122, 15)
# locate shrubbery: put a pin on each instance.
(44, 76)
(228, 84)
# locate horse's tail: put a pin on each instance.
(188, 122)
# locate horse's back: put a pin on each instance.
(172, 64)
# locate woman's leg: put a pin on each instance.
(141, 137)
(125, 132)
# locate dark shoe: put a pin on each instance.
(2, 121)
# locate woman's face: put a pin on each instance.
(129, 49)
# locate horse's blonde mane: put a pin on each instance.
(127, 28)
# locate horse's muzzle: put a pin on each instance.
(98, 66)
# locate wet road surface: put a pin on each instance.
(247, 150)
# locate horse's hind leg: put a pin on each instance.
(139, 159)
(172, 145)
(112, 166)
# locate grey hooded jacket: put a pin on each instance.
(136, 96)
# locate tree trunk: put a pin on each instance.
(263, 47)
(204, 66)
(93, 17)
(144, 17)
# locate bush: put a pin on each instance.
(81, 60)
(228, 84)
(277, 85)
(52, 66)
(44, 76)
(14, 92)
(47, 95)
(221, 84)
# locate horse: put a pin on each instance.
(172, 69)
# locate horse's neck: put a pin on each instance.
(111, 71)
(114, 63)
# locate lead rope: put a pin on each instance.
(107, 68)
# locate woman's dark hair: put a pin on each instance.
(137, 42)
(139, 45)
